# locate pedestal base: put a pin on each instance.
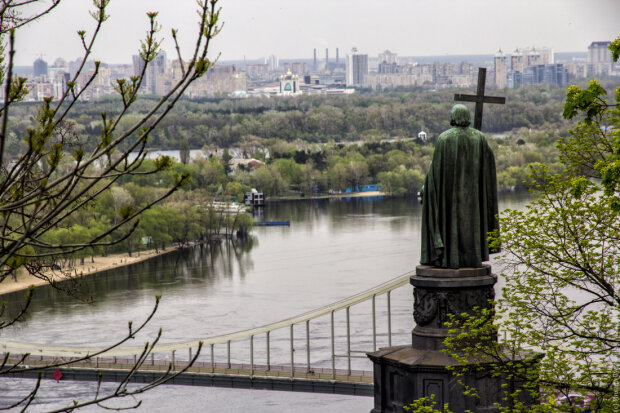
(406, 373)
(403, 374)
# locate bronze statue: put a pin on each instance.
(459, 197)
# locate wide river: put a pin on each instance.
(333, 249)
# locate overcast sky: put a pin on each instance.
(293, 28)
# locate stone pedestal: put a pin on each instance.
(406, 373)
(439, 292)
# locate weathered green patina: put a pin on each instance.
(459, 197)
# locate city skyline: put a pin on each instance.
(292, 29)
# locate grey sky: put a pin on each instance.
(292, 28)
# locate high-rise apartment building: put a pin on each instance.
(357, 68)
(547, 56)
(599, 58)
(531, 66)
(598, 52)
(550, 74)
(517, 61)
(388, 57)
(219, 79)
(298, 68)
(138, 65)
(39, 67)
(388, 63)
(522, 58)
(273, 62)
(533, 58)
(257, 71)
(155, 79)
(500, 70)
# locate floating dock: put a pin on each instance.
(274, 223)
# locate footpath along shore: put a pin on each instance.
(24, 280)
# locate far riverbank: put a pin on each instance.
(328, 196)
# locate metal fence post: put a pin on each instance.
(173, 359)
(228, 353)
(251, 356)
(374, 324)
(292, 354)
(268, 353)
(212, 359)
(348, 343)
(333, 350)
(389, 311)
(308, 346)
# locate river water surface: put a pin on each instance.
(333, 249)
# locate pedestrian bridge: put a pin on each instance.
(315, 352)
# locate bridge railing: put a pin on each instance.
(305, 319)
(213, 365)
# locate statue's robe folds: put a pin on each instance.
(459, 201)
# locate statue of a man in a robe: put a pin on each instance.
(459, 197)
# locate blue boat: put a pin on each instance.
(274, 223)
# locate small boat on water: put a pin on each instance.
(274, 223)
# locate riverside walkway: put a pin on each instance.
(326, 368)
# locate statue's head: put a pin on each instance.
(460, 116)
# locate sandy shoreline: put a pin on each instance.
(25, 280)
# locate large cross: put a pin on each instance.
(479, 98)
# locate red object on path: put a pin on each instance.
(57, 375)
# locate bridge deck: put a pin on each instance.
(317, 380)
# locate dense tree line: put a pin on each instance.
(247, 123)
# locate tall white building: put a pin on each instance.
(523, 58)
(500, 70)
(39, 67)
(357, 68)
(517, 61)
(273, 62)
(599, 58)
(388, 57)
(155, 79)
